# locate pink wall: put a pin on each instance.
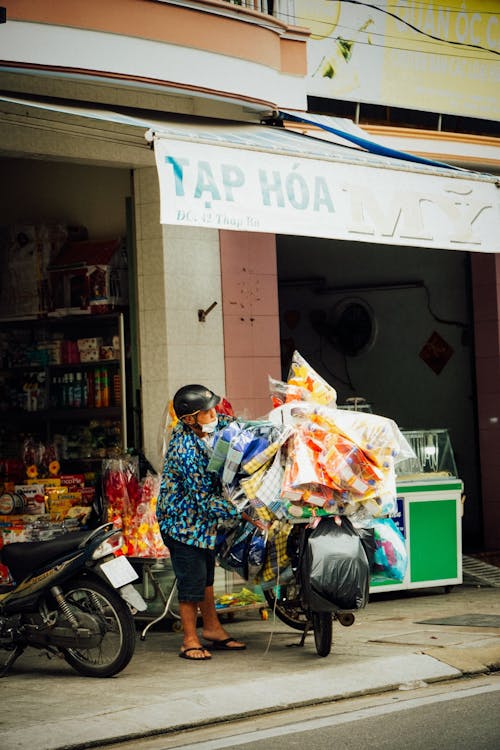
(486, 295)
(251, 319)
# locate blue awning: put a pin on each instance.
(335, 126)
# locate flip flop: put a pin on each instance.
(223, 645)
(184, 654)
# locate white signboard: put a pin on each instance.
(237, 189)
(432, 55)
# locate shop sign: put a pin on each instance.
(219, 187)
(430, 55)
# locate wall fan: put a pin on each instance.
(350, 327)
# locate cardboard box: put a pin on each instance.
(33, 496)
(90, 355)
(45, 481)
(91, 344)
(89, 276)
(72, 481)
(107, 353)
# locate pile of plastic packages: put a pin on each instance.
(309, 459)
(131, 506)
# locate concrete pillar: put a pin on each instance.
(486, 296)
(178, 273)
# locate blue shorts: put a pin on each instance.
(194, 569)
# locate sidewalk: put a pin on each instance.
(47, 706)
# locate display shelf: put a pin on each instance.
(61, 375)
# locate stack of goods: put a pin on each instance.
(131, 506)
(309, 460)
(46, 502)
(242, 598)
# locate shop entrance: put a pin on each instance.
(67, 393)
(391, 325)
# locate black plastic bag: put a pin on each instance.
(367, 537)
(334, 569)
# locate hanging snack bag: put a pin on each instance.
(302, 375)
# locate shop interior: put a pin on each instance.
(392, 326)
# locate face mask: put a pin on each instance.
(209, 426)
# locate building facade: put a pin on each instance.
(82, 84)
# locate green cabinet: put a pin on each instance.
(430, 518)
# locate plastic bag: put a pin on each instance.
(347, 466)
(378, 437)
(277, 558)
(301, 374)
(284, 393)
(334, 568)
(390, 557)
(242, 550)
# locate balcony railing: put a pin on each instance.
(283, 10)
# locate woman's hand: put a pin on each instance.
(255, 522)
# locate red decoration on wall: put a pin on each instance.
(436, 352)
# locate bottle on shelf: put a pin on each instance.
(71, 390)
(77, 391)
(97, 388)
(104, 381)
(90, 389)
(65, 391)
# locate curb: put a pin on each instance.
(470, 661)
(194, 708)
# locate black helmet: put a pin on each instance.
(190, 399)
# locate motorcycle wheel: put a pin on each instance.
(287, 606)
(322, 626)
(113, 618)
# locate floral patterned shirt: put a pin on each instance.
(190, 502)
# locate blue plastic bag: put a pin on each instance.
(391, 557)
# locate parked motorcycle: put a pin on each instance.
(292, 602)
(73, 596)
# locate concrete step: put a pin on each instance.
(477, 571)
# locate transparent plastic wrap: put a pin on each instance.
(378, 437)
(347, 465)
(131, 506)
(302, 375)
(284, 393)
(141, 531)
(121, 490)
(329, 472)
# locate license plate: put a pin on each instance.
(119, 571)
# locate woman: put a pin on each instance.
(190, 508)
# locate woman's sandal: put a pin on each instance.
(184, 654)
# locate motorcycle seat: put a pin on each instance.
(23, 558)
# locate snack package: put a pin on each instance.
(141, 531)
(302, 375)
(347, 466)
(121, 488)
(378, 437)
(284, 393)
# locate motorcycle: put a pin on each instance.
(73, 596)
(288, 600)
